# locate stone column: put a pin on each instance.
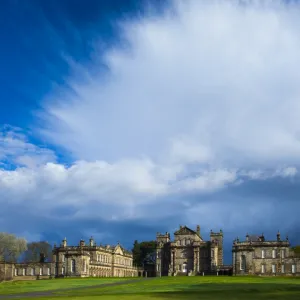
(174, 260)
(171, 263)
(198, 260)
(195, 260)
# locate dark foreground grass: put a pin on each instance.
(189, 288)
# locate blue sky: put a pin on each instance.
(123, 118)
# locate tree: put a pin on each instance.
(37, 251)
(11, 247)
(144, 252)
(136, 252)
(148, 252)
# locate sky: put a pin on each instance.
(120, 119)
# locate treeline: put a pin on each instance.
(17, 249)
(144, 253)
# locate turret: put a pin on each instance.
(217, 237)
(91, 241)
(165, 238)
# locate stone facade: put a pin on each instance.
(92, 260)
(188, 254)
(81, 261)
(257, 256)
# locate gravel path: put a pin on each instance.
(52, 292)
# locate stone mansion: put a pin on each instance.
(84, 260)
(257, 256)
(187, 255)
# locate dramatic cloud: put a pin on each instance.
(209, 82)
(200, 98)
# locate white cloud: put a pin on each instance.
(215, 81)
(16, 149)
(203, 98)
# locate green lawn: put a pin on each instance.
(17, 287)
(181, 288)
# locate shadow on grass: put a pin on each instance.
(233, 292)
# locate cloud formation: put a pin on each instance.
(203, 97)
(214, 82)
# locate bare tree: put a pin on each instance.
(11, 247)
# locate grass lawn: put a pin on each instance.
(18, 287)
(186, 288)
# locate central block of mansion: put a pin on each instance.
(188, 254)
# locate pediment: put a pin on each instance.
(118, 250)
(185, 231)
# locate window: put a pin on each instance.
(183, 242)
(41, 271)
(243, 263)
(212, 253)
(283, 253)
(293, 269)
(282, 269)
(273, 268)
(63, 258)
(73, 266)
(84, 265)
(188, 242)
(263, 268)
(273, 253)
(262, 253)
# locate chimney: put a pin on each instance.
(278, 236)
(91, 241)
(64, 242)
(247, 237)
(198, 230)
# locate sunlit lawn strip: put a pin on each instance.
(18, 287)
